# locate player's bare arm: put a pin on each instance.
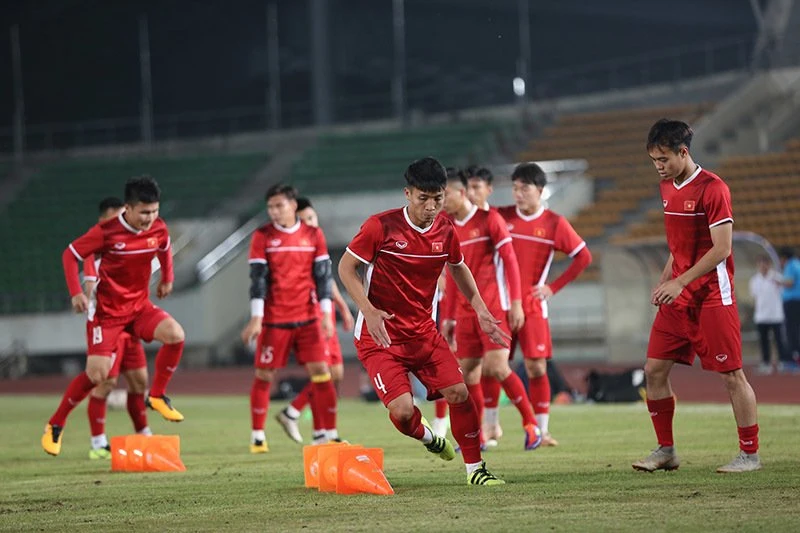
(489, 324)
(164, 289)
(259, 281)
(666, 275)
(373, 317)
(722, 239)
(344, 310)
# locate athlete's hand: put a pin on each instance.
(348, 323)
(164, 289)
(667, 292)
(327, 325)
(489, 325)
(80, 303)
(251, 331)
(543, 292)
(88, 287)
(516, 316)
(377, 329)
(449, 333)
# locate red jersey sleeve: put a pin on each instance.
(322, 247)
(501, 238)
(88, 244)
(367, 242)
(454, 255)
(89, 270)
(717, 203)
(567, 239)
(258, 248)
(164, 255)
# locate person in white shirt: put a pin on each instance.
(765, 288)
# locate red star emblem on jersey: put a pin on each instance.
(539, 232)
(474, 233)
(437, 247)
(688, 205)
(152, 242)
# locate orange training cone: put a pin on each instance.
(361, 470)
(311, 463)
(328, 465)
(140, 453)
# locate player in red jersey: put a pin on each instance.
(538, 233)
(479, 189)
(697, 312)
(486, 244)
(404, 251)
(129, 359)
(288, 417)
(126, 245)
(290, 270)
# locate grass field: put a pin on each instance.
(586, 484)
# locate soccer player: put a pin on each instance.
(126, 245)
(129, 359)
(290, 273)
(479, 189)
(697, 312)
(288, 417)
(404, 251)
(485, 239)
(537, 234)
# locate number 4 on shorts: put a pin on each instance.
(379, 383)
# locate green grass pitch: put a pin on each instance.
(586, 484)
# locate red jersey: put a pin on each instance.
(481, 235)
(691, 209)
(404, 262)
(290, 254)
(126, 255)
(536, 238)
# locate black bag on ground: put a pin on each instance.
(627, 386)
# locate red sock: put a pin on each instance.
(77, 390)
(167, 361)
(137, 410)
(441, 408)
(412, 427)
(466, 429)
(324, 395)
(515, 391)
(259, 403)
(748, 438)
(476, 393)
(539, 390)
(661, 413)
(97, 415)
(491, 391)
(301, 400)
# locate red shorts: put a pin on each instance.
(334, 350)
(429, 358)
(713, 333)
(274, 345)
(129, 355)
(534, 338)
(102, 334)
(471, 341)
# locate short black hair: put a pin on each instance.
(670, 134)
(530, 174)
(480, 173)
(111, 202)
(786, 252)
(142, 189)
(279, 188)
(303, 203)
(456, 174)
(427, 175)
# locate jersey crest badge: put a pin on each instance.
(401, 244)
(664, 202)
(688, 205)
(119, 245)
(275, 242)
(437, 247)
(539, 232)
(152, 242)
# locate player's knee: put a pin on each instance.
(733, 380)
(456, 394)
(173, 333)
(655, 373)
(137, 381)
(402, 411)
(98, 376)
(265, 374)
(103, 389)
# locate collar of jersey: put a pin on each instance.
(468, 217)
(290, 229)
(528, 218)
(126, 225)
(414, 226)
(688, 180)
